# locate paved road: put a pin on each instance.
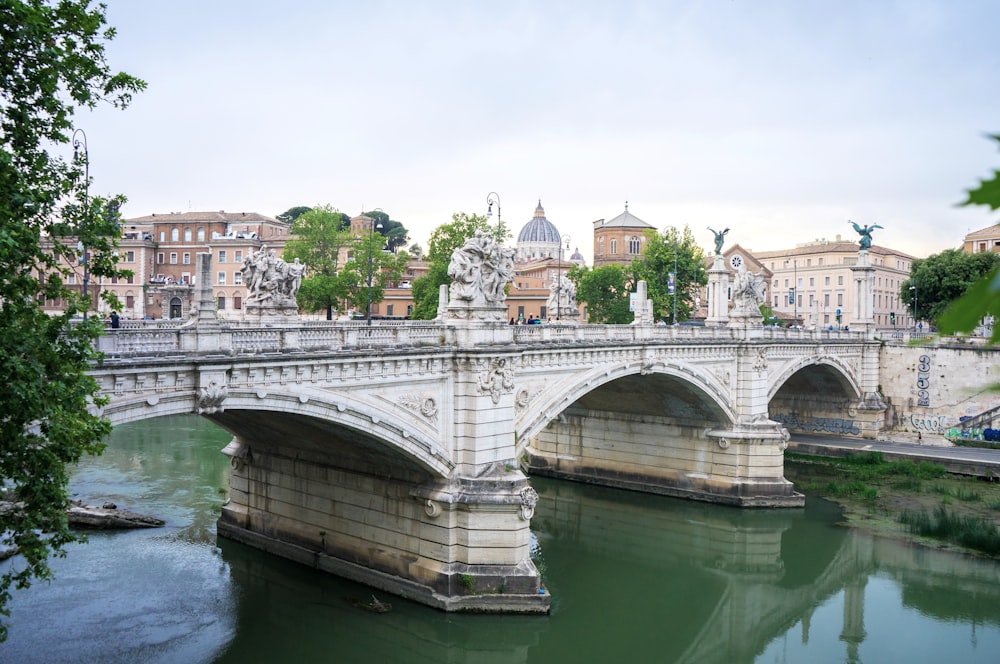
(961, 456)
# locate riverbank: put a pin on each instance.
(917, 502)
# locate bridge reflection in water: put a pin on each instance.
(641, 578)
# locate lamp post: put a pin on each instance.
(914, 289)
(492, 199)
(80, 147)
(794, 292)
(676, 246)
(371, 255)
(565, 239)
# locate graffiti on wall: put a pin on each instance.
(924, 381)
(929, 423)
(818, 424)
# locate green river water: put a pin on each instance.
(633, 578)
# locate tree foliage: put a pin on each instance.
(52, 62)
(942, 279)
(319, 240)
(370, 257)
(606, 291)
(658, 261)
(394, 232)
(443, 241)
(291, 214)
(983, 297)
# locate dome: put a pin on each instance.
(539, 230)
(578, 258)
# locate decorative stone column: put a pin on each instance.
(718, 293)
(863, 304)
(643, 313)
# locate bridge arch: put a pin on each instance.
(695, 388)
(832, 371)
(303, 417)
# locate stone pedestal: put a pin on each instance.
(863, 297)
(718, 293)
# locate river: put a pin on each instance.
(633, 577)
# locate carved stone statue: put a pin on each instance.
(480, 270)
(865, 233)
(272, 282)
(720, 238)
(562, 298)
(749, 292)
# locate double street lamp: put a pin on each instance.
(371, 256)
(793, 292)
(564, 240)
(80, 151)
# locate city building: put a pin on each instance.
(815, 281)
(983, 240)
(620, 240)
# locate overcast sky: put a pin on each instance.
(779, 119)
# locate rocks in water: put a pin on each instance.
(108, 517)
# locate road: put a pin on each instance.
(965, 460)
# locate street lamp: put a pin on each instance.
(795, 285)
(371, 255)
(559, 286)
(674, 279)
(80, 147)
(492, 199)
(914, 289)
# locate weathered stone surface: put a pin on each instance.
(108, 518)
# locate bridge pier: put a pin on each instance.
(458, 545)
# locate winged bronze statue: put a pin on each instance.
(865, 233)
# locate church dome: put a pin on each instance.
(539, 230)
(578, 258)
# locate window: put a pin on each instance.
(633, 245)
(826, 299)
(840, 299)
(131, 279)
(614, 246)
(186, 259)
(173, 258)
(222, 279)
(238, 256)
(812, 281)
(129, 301)
(129, 256)
(600, 245)
(238, 278)
(786, 283)
(388, 310)
(222, 255)
(775, 283)
(187, 234)
(826, 281)
(840, 280)
(159, 258)
(775, 300)
(237, 302)
(174, 235)
(163, 236)
(201, 235)
(819, 261)
(809, 262)
(185, 277)
(222, 302)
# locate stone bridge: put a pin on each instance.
(397, 454)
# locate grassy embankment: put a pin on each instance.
(919, 501)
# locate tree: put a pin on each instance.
(983, 297)
(942, 279)
(319, 240)
(291, 214)
(444, 240)
(394, 232)
(606, 291)
(658, 260)
(370, 258)
(52, 62)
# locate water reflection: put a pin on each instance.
(634, 578)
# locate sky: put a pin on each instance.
(781, 120)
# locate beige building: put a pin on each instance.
(620, 240)
(161, 250)
(815, 282)
(983, 240)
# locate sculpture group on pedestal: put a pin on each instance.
(749, 292)
(562, 298)
(271, 281)
(480, 270)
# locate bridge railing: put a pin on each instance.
(242, 337)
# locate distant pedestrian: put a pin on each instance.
(115, 321)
